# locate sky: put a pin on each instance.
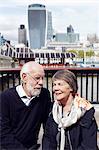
(83, 15)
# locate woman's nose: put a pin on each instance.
(55, 88)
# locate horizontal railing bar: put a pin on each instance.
(88, 80)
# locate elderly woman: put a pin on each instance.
(71, 124)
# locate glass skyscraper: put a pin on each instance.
(37, 25)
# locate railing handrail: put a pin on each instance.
(54, 67)
(88, 79)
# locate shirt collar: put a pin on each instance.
(21, 91)
(26, 99)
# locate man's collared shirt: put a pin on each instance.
(26, 99)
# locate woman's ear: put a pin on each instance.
(73, 93)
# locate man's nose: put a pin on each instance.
(40, 81)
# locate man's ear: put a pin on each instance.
(24, 77)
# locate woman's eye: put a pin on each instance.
(60, 84)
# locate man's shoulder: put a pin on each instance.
(7, 96)
(8, 91)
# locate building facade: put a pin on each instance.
(70, 29)
(22, 37)
(2, 40)
(67, 37)
(37, 25)
(49, 26)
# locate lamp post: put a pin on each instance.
(84, 49)
(85, 45)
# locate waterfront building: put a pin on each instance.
(37, 25)
(22, 37)
(64, 46)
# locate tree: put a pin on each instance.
(81, 54)
(90, 53)
(73, 51)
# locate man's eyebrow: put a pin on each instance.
(39, 74)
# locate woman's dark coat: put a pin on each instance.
(80, 136)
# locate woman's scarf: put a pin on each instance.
(78, 109)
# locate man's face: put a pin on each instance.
(33, 83)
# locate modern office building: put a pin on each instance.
(69, 37)
(61, 37)
(73, 37)
(22, 37)
(70, 29)
(49, 26)
(37, 25)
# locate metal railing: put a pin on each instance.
(88, 80)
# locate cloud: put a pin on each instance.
(9, 25)
(82, 14)
(47, 2)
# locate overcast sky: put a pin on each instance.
(83, 15)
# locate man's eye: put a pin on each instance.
(37, 78)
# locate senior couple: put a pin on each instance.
(68, 121)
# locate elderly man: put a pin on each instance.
(23, 109)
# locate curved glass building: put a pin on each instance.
(37, 25)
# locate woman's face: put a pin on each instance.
(61, 90)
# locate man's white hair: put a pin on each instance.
(30, 67)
